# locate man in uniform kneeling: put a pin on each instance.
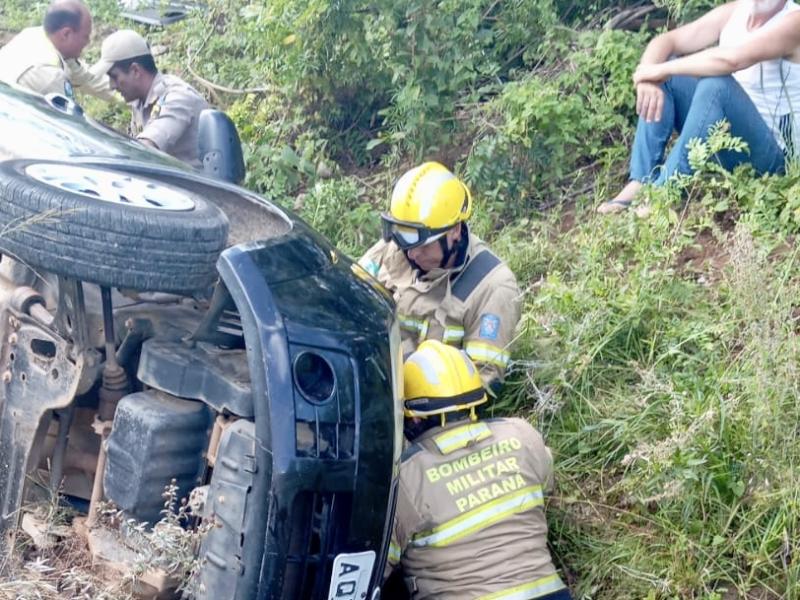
(470, 521)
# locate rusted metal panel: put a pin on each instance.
(37, 375)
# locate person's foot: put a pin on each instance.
(621, 201)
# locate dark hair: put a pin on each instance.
(63, 14)
(145, 61)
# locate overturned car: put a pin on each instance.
(158, 326)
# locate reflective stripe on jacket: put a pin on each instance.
(529, 591)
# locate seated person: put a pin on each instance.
(165, 110)
(470, 520)
(751, 79)
(447, 284)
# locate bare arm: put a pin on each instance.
(685, 40)
(778, 41)
(96, 84)
(689, 38)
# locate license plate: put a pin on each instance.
(351, 575)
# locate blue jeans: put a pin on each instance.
(691, 106)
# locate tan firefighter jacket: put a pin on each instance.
(470, 520)
(30, 60)
(475, 307)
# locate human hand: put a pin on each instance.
(651, 73)
(649, 101)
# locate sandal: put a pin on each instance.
(612, 207)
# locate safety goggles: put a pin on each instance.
(409, 235)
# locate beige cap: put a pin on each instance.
(120, 45)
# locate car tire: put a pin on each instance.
(56, 217)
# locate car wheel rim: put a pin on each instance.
(111, 186)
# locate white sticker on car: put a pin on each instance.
(351, 575)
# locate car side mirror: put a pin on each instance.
(220, 147)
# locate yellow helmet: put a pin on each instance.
(439, 379)
(427, 201)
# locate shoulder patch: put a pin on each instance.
(156, 110)
(490, 326)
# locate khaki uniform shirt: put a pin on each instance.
(30, 60)
(169, 117)
(470, 520)
(483, 323)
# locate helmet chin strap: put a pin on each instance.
(458, 248)
(473, 416)
(447, 251)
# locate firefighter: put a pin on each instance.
(446, 282)
(45, 59)
(165, 110)
(470, 520)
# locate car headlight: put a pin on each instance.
(314, 377)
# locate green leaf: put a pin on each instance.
(738, 487)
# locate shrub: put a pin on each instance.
(541, 131)
(338, 210)
(394, 72)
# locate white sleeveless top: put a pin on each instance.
(773, 85)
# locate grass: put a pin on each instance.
(61, 570)
(676, 443)
(658, 356)
(64, 570)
